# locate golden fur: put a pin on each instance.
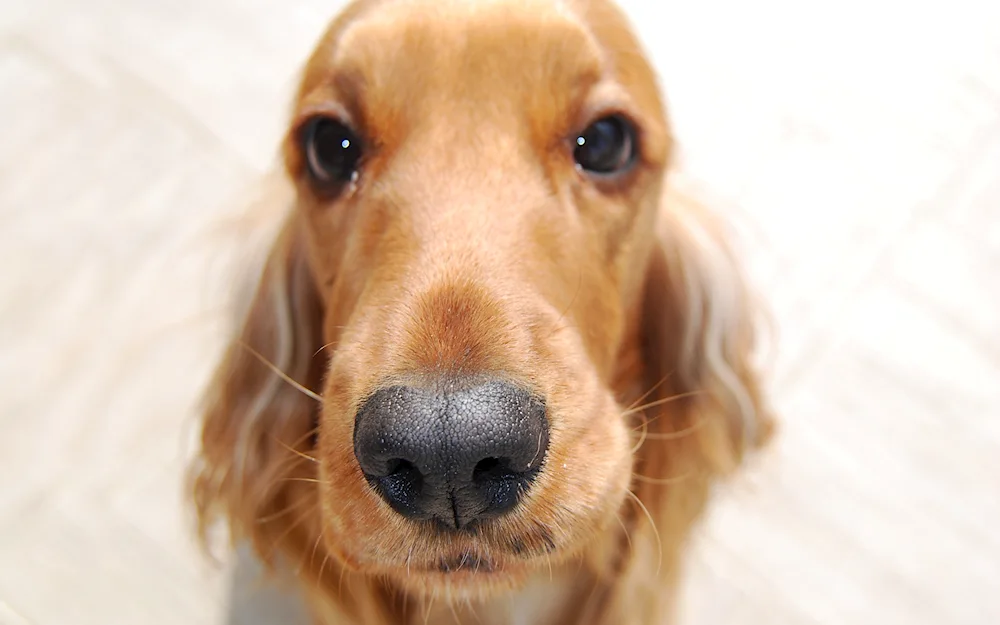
(470, 243)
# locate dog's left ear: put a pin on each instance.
(702, 407)
(700, 328)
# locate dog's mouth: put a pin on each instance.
(484, 561)
(468, 560)
(464, 574)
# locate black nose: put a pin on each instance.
(457, 455)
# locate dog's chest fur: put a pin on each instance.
(543, 600)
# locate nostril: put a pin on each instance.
(499, 485)
(398, 466)
(401, 486)
(492, 469)
(404, 472)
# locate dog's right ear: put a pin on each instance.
(258, 410)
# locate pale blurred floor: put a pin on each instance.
(857, 144)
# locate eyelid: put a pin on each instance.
(326, 108)
(604, 100)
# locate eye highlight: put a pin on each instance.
(332, 150)
(606, 147)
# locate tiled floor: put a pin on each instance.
(856, 143)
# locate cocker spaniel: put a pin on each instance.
(493, 364)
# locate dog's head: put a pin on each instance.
(477, 279)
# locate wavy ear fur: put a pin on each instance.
(254, 418)
(708, 409)
(701, 326)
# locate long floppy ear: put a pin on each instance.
(701, 323)
(704, 407)
(259, 416)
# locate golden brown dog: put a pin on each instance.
(492, 366)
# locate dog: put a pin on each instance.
(494, 362)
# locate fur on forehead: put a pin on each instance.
(389, 62)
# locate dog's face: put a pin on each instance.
(479, 181)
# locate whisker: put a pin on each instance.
(302, 438)
(660, 402)
(281, 374)
(430, 604)
(454, 612)
(663, 481)
(322, 567)
(302, 479)
(290, 461)
(330, 344)
(646, 435)
(628, 538)
(282, 467)
(656, 532)
(538, 450)
(312, 556)
(293, 450)
(472, 610)
(642, 437)
(289, 464)
(669, 436)
(643, 397)
(295, 506)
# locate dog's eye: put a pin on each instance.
(607, 146)
(332, 150)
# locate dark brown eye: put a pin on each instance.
(608, 146)
(333, 151)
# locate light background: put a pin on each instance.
(856, 145)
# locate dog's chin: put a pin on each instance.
(476, 580)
